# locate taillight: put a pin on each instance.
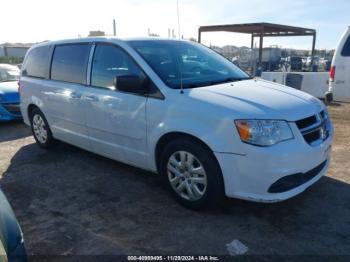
(332, 74)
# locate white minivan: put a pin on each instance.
(178, 109)
(339, 79)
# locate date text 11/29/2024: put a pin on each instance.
(173, 258)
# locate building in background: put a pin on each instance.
(96, 33)
(16, 50)
(229, 51)
(13, 53)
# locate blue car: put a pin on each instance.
(9, 95)
(11, 238)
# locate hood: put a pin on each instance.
(9, 91)
(260, 99)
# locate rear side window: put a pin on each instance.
(69, 63)
(37, 63)
(346, 48)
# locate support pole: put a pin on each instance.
(313, 50)
(259, 67)
(261, 42)
(252, 56)
(199, 35)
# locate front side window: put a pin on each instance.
(37, 62)
(188, 64)
(69, 63)
(346, 48)
(110, 62)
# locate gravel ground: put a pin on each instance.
(69, 201)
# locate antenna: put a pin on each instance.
(178, 19)
(180, 62)
(114, 28)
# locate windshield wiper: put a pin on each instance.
(210, 83)
(196, 85)
(230, 79)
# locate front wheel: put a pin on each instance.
(192, 174)
(41, 130)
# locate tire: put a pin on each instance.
(207, 187)
(41, 130)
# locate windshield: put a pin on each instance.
(193, 64)
(9, 73)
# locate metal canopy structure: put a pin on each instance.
(262, 30)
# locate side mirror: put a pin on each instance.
(132, 84)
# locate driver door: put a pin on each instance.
(116, 121)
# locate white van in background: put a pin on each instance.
(339, 80)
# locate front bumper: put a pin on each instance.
(251, 175)
(9, 112)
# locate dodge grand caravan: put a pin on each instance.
(178, 109)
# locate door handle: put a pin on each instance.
(75, 95)
(91, 98)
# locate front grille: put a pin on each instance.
(314, 128)
(292, 181)
(312, 137)
(311, 120)
(12, 108)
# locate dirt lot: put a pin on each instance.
(69, 201)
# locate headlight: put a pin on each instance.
(327, 119)
(326, 114)
(263, 132)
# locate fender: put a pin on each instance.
(217, 140)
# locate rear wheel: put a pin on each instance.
(41, 130)
(192, 174)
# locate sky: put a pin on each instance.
(39, 20)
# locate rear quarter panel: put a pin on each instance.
(340, 87)
(31, 93)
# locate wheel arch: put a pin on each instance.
(166, 138)
(30, 108)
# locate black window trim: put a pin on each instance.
(66, 44)
(157, 94)
(346, 46)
